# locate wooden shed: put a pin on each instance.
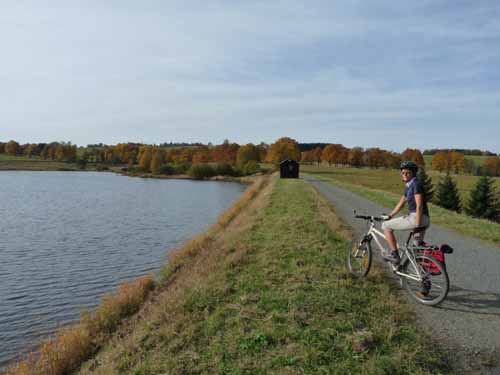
(289, 169)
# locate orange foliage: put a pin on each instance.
(284, 148)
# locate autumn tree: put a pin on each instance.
(306, 157)
(201, 155)
(456, 161)
(30, 150)
(225, 152)
(157, 160)
(283, 149)
(328, 154)
(355, 157)
(414, 155)
(483, 202)
(247, 153)
(491, 166)
(146, 155)
(440, 161)
(335, 154)
(262, 147)
(316, 155)
(447, 194)
(12, 148)
(374, 157)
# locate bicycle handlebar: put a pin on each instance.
(374, 218)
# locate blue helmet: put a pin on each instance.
(408, 164)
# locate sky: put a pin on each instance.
(390, 74)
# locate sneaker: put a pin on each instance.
(422, 294)
(393, 257)
(424, 289)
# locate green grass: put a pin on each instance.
(385, 187)
(389, 179)
(273, 297)
(4, 157)
(24, 164)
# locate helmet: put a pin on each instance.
(408, 164)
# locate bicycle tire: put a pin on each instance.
(359, 258)
(434, 289)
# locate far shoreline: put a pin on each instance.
(52, 166)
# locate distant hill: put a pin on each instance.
(309, 146)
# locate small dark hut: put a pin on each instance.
(289, 169)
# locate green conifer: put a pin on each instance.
(426, 182)
(447, 194)
(482, 200)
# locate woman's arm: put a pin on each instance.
(419, 200)
(398, 207)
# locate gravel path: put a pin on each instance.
(468, 321)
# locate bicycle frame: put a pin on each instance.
(377, 235)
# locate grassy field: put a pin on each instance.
(270, 295)
(5, 157)
(24, 164)
(389, 179)
(385, 187)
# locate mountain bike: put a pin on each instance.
(421, 275)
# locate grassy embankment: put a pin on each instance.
(21, 163)
(385, 187)
(70, 347)
(269, 294)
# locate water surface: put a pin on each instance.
(68, 237)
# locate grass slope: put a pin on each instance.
(270, 295)
(363, 184)
(23, 164)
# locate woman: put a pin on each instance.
(418, 216)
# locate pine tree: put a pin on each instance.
(447, 194)
(482, 200)
(426, 181)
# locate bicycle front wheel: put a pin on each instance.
(428, 286)
(359, 258)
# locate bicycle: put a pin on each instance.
(423, 276)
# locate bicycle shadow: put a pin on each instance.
(472, 301)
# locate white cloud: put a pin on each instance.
(250, 71)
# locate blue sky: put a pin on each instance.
(363, 73)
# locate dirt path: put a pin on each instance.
(469, 319)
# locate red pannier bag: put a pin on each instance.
(437, 252)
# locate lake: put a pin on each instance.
(66, 238)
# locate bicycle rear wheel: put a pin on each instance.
(434, 285)
(359, 258)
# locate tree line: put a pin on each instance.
(57, 151)
(449, 161)
(473, 152)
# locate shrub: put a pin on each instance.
(201, 171)
(167, 169)
(100, 167)
(182, 168)
(224, 169)
(250, 167)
